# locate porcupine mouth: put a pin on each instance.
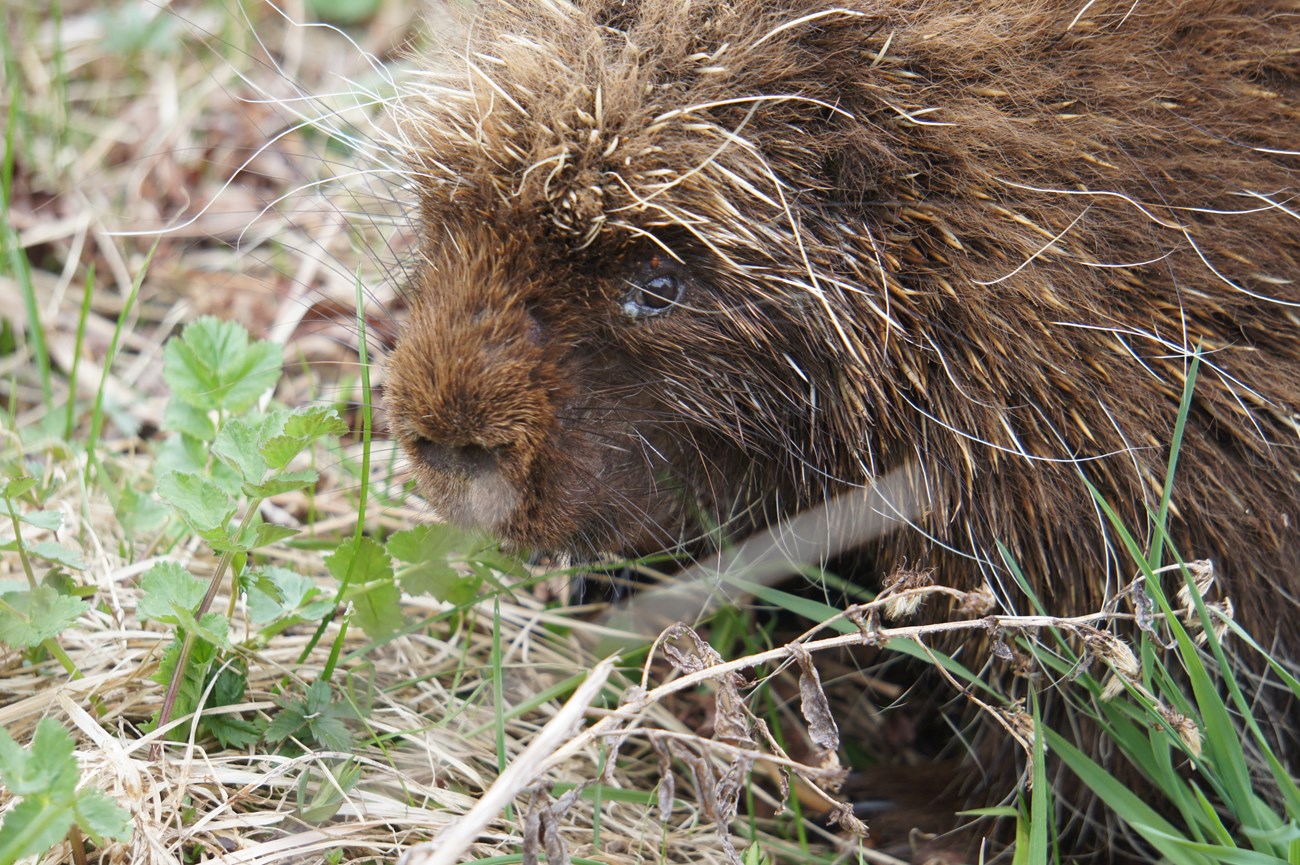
(495, 505)
(563, 506)
(488, 503)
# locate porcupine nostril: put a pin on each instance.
(465, 460)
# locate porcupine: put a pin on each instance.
(739, 255)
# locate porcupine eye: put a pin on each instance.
(654, 291)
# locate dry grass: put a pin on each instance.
(164, 148)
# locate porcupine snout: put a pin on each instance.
(472, 394)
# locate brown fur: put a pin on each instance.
(982, 238)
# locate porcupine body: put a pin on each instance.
(737, 256)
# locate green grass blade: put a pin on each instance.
(367, 396)
(1180, 425)
(22, 273)
(97, 414)
(1142, 817)
(1214, 852)
(1041, 794)
(363, 358)
(70, 421)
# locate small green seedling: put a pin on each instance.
(32, 616)
(227, 456)
(45, 777)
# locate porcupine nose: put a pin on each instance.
(481, 396)
(471, 390)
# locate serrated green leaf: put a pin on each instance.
(212, 638)
(422, 543)
(229, 686)
(214, 366)
(258, 581)
(101, 818)
(201, 503)
(19, 487)
(315, 611)
(269, 533)
(330, 731)
(179, 416)
(224, 540)
(378, 609)
(53, 551)
(33, 826)
(427, 550)
(238, 446)
(282, 593)
(51, 520)
(319, 697)
(61, 582)
(214, 630)
(169, 594)
(226, 690)
(314, 423)
(36, 615)
(296, 589)
(186, 454)
(187, 694)
(48, 767)
(287, 722)
(439, 580)
(13, 760)
(258, 533)
(460, 591)
(301, 428)
(281, 482)
(280, 450)
(359, 560)
(232, 731)
(167, 663)
(316, 717)
(233, 538)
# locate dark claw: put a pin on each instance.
(608, 587)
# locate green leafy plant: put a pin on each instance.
(279, 598)
(226, 457)
(45, 777)
(32, 616)
(435, 560)
(316, 718)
